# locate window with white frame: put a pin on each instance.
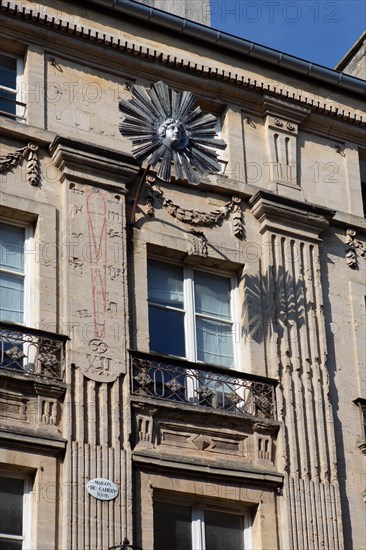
(192, 314)
(11, 80)
(186, 526)
(15, 517)
(15, 276)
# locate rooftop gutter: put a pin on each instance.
(231, 43)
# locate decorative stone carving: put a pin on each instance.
(282, 126)
(237, 217)
(354, 248)
(196, 217)
(28, 153)
(47, 411)
(202, 442)
(166, 128)
(144, 425)
(197, 244)
(264, 447)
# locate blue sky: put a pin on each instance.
(317, 30)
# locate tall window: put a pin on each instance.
(197, 527)
(13, 266)
(11, 77)
(191, 314)
(15, 518)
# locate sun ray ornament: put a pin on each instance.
(167, 129)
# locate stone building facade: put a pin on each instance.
(201, 347)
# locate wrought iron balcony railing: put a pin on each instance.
(31, 351)
(201, 385)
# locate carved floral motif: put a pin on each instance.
(354, 249)
(28, 153)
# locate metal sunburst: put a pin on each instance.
(165, 128)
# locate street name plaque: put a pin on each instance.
(102, 489)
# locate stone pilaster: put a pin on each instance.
(296, 350)
(95, 313)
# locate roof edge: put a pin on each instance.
(347, 56)
(229, 42)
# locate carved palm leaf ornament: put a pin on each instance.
(167, 129)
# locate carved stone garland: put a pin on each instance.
(195, 217)
(28, 153)
(354, 249)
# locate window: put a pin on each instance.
(15, 517)
(192, 314)
(14, 283)
(184, 527)
(11, 78)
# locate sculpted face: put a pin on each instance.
(173, 135)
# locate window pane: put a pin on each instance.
(212, 295)
(166, 330)
(8, 102)
(11, 500)
(10, 544)
(8, 71)
(12, 247)
(165, 283)
(214, 342)
(11, 298)
(223, 531)
(172, 527)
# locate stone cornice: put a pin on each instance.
(184, 463)
(160, 58)
(282, 215)
(81, 162)
(292, 111)
(24, 132)
(23, 440)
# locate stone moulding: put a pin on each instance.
(354, 249)
(195, 217)
(28, 153)
(87, 34)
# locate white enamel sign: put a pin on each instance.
(102, 489)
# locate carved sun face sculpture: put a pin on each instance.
(166, 129)
(173, 134)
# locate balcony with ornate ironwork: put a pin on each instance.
(31, 351)
(203, 386)
(199, 417)
(32, 390)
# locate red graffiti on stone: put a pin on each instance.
(97, 228)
